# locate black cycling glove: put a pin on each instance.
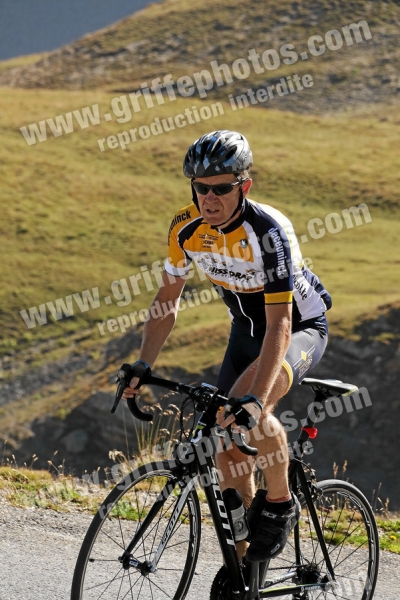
(138, 369)
(246, 416)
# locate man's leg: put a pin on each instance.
(269, 436)
(270, 440)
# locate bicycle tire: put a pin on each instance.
(99, 573)
(351, 536)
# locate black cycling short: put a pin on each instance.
(306, 348)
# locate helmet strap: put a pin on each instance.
(194, 196)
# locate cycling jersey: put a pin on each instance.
(254, 261)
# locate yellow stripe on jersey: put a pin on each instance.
(289, 372)
(177, 258)
(279, 298)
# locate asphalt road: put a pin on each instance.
(38, 550)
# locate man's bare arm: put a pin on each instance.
(157, 329)
(275, 345)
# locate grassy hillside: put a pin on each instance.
(74, 218)
(179, 37)
(20, 61)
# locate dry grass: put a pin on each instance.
(26, 488)
(75, 218)
(63, 200)
(178, 37)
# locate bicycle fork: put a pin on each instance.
(150, 566)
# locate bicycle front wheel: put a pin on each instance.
(351, 537)
(164, 517)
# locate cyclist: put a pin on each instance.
(279, 331)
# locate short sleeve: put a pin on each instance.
(278, 282)
(178, 262)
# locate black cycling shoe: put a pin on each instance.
(271, 530)
(254, 511)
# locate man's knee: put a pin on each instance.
(270, 425)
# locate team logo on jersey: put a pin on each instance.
(300, 287)
(216, 267)
(208, 236)
(178, 219)
(244, 243)
(305, 361)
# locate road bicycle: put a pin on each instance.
(144, 541)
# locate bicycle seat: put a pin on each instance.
(330, 387)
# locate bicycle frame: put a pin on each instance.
(297, 474)
(192, 461)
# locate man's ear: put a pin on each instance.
(246, 187)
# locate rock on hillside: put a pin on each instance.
(366, 439)
(179, 37)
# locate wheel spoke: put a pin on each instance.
(104, 578)
(109, 537)
(157, 586)
(131, 586)
(351, 538)
(108, 581)
(352, 569)
(151, 591)
(120, 586)
(351, 554)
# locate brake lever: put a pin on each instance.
(240, 441)
(124, 377)
(123, 382)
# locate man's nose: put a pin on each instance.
(210, 196)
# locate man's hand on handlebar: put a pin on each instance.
(131, 390)
(138, 370)
(240, 413)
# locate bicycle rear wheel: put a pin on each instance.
(99, 573)
(351, 536)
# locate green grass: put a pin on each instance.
(75, 218)
(390, 538)
(25, 488)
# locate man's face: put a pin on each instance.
(217, 209)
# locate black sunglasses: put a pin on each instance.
(221, 189)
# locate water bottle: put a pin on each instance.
(234, 505)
